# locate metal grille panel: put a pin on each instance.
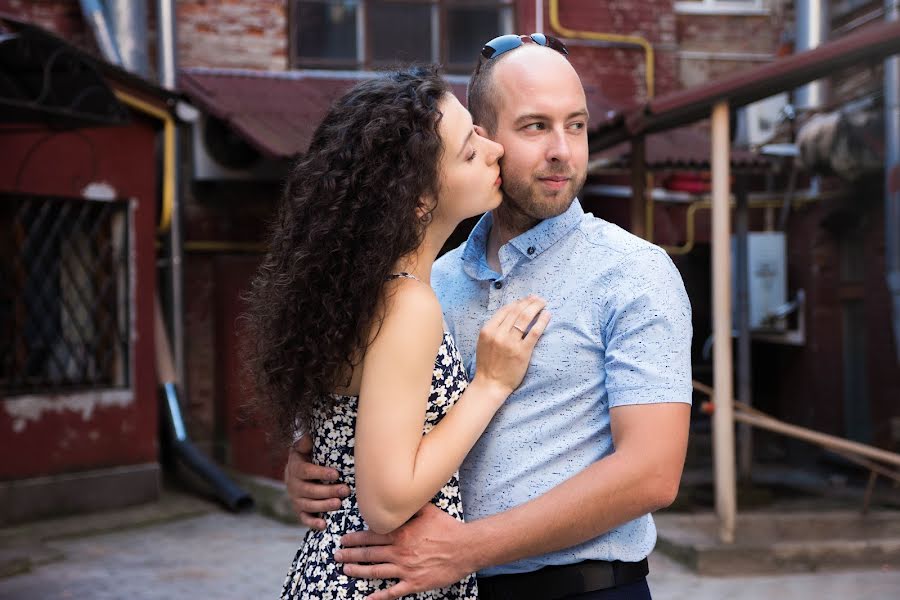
(64, 294)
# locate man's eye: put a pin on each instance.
(578, 126)
(534, 126)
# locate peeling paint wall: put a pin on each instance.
(25, 410)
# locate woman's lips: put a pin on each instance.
(498, 182)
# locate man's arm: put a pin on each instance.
(434, 550)
(640, 477)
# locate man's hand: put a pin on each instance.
(430, 551)
(309, 495)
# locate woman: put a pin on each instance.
(348, 337)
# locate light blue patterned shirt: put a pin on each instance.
(620, 334)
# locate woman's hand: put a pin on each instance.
(505, 344)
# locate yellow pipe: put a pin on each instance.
(630, 40)
(168, 196)
(693, 207)
(214, 246)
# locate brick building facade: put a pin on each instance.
(694, 41)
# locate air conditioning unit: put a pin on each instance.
(758, 122)
(220, 154)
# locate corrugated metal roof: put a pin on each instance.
(685, 148)
(277, 111)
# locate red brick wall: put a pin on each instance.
(233, 34)
(60, 16)
(619, 72)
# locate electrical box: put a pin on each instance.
(766, 281)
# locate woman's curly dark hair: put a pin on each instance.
(347, 215)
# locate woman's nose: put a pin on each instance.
(495, 150)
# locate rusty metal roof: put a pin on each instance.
(685, 148)
(872, 43)
(277, 111)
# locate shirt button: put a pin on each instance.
(531, 249)
(498, 285)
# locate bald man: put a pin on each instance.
(558, 491)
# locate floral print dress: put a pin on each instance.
(314, 573)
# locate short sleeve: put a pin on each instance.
(647, 331)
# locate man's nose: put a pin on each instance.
(558, 149)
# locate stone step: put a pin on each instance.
(778, 542)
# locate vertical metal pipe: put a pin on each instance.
(812, 30)
(723, 416)
(742, 293)
(165, 10)
(892, 175)
(638, 187)
(95, 16)
(167, 78)
(129, 25)
(538, 16)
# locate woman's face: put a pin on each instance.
(470, 171)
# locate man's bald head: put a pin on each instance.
(484, 95)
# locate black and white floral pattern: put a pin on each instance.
(314, 573)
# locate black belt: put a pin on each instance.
(559, 581)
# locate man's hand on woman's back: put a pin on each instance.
(310, 487)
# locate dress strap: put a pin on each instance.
(404, 275)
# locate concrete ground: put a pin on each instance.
(197, 551)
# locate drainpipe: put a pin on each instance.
(812, 31)
(95, 15)
(175, 436)
(892, 175)
(167, 76)
(128, 20)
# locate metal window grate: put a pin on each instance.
(64, 294)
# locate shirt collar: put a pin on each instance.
(537, 239)
(549, 231)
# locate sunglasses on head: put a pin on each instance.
(505, 43)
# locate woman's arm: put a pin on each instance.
(398, 469)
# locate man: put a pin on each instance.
(557, 492)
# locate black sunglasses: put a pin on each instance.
(505, 43)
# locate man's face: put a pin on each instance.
(542, 125)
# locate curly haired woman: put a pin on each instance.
(347, 336)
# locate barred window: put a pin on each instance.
(64, 294)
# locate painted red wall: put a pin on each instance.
(61, 163)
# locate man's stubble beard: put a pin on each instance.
(523, 207)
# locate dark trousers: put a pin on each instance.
(541, 585)
(639, 590)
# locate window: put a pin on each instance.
(728, 7)
(64, 294)
(371, 34)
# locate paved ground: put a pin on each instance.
(241, 557)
